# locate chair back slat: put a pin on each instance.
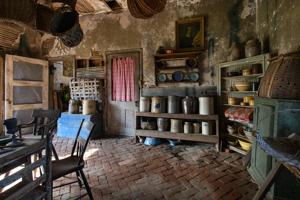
(82, 139)
(42, 117)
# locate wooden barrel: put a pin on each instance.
(63, 20)
(88, 107)
(281, 79)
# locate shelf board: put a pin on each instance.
(248, 76)
(240, 92)
(249, 124)
(172, 82)
(178, 116)
(239, 137)
(181, 55)
(259, 59)
(239, 106)
(238, 149)
(178, 136)
(176, 68)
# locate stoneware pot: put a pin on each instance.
(188, 105)
(145, 104)
(73, 106)
(252, 48)
(176, 126)
(173, 104)
(162, 124)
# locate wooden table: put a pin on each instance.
(29, 187)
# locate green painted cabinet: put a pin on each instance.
(275, 118)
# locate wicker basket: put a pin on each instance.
(281, 80)
(145, 8)
(85, 89)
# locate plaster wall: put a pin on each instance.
(278, 25)
(226, 22)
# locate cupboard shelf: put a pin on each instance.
(180, 136)
(239, 77)
(238, 150)
(226, 81)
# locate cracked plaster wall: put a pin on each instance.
(278, 25)
(108, 32)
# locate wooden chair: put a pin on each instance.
(40, 117)
(75, 162)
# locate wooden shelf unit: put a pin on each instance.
(225, 81)
(180, 136)
(169, 66)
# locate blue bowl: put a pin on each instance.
(152, 141)
(177, 76)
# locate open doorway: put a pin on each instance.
(120, 112)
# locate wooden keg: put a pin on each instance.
(88, 107)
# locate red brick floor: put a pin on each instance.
(118, 168)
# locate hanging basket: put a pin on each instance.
(56, 4)
(145, 8)
(281, 79)
(63, 20)
(73, 37)
(10, 32)
(19, 10)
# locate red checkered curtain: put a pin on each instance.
(123, 84)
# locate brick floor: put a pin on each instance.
(118, 168)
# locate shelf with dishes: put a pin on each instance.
(178, 68)
(238, 83)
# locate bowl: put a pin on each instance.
(193, 76)
(162, 77)
(246, 72)
(232, 101)
(245, 145)
(177, 76)
(249, 134)
(242, 86)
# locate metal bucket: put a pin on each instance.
(145, 104)
(162, 124)
(73, 106)
(206, 105)
(176, 126)
(173, 104)
(157, 105)
(89, 107)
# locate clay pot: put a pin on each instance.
(252, 48)
(235, 52)
(188, 105)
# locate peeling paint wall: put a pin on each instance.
(278, 25)
(108, 32)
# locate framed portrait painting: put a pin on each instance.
(190, 34)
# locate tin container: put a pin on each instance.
(145, 104)
(162, 124)
(176, 126)
(173, 104)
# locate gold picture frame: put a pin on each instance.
(190, 34)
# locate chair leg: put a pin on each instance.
(54, 153)
(86, 184)
(78, 179)
(268, 182)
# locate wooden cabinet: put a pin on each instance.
(247, 70)
(92, 67)
(274, 118)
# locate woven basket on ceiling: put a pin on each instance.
(281, 79)
(10, 32)
(20, 10)
(145, 8)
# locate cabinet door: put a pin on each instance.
(261, 163)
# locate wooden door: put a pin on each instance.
(261, 163)
(120, 116)
(26, 86)
(1, 94)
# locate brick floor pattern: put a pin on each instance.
(119, 168)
